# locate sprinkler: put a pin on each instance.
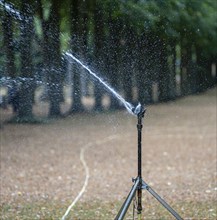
(139, 110)
(139, 183)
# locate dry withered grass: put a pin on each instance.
(41, 171)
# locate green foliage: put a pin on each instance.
(196, 20)
(193, 19)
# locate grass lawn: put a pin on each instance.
(44, 166)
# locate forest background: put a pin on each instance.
(148, 51)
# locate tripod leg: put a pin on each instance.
(163, 202)
(126, 204)
(139, 208)
(139, 195)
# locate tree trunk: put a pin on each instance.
(98, 53)
(164, 92)
(55, 77)
(186, 53)
(201, 70)
(25, 97)
(76, 40)
(113, 58)
(144, 79)
(46, 65)
(25, 94)
(172, 76)
(8, 44)
(206, 80)
(128, 44)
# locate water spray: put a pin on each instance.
(11, 10)
(127, 105)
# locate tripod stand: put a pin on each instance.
(139, 183)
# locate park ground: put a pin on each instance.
(42, 170)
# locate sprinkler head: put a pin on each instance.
(139, 110)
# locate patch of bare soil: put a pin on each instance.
(42, 161)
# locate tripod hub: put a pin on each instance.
(139, 110)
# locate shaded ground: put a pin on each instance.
(41, 171)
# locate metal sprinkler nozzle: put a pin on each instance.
(139, 110)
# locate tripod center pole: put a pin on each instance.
(139, 192)
(140, 115)
(139, 128)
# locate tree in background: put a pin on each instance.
(27, 85)
(135, 44)
(7, 25)
(112, 49)
(55, 76)
(49, 16)
(79, 31)
(99, 36)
